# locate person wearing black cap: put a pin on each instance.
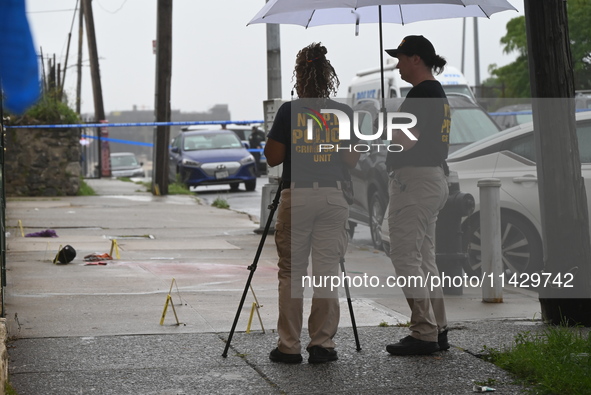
(418, 191)
(313, 213)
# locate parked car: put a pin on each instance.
(211, 157)
(370, 179)
(243, 132)
(125, 164)
(509, 116)
(511, 157)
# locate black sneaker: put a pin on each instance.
(278, 356)
(321, 355)
(411, 346)
(442, 341)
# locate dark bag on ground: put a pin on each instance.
(66, 254)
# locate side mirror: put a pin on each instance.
(174, 149)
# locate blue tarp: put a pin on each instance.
(19, 69)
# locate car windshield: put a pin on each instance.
(211, 141)
(524, 118)
(469, 125)
(123, 161)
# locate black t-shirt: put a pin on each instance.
(319, 158)
(428, 102)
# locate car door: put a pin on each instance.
(584, 142)
(516, 168)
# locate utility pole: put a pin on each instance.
(273, 62)
(563, 201)
(162, 107)
(477, 60)
(97, 90)
(79, 64)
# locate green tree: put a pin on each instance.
(512, 80)
(579, 20)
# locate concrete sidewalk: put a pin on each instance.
(78, 329)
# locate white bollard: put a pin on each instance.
(267, 195)
(490, 240)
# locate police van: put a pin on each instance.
(367, 84)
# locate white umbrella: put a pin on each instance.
(309, 13)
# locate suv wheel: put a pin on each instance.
(377, 210)
(520, 243)
(250, 185)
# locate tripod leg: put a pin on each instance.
(350, 306)
(253, 267)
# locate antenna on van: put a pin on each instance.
(356, 23)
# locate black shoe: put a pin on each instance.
(278, 356)
(442, 341)
(321, 355)
(411, 346)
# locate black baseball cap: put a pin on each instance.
(414, 45)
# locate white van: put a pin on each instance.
(367, 83)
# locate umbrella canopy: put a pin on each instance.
(309, 13)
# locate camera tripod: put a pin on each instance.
(253, 267)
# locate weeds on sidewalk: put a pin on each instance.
(85, 189)
(176, 188)
(220, 203)
(8, 390)
(555, 361)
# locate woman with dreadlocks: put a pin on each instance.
(313, 213)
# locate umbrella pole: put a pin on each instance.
(381, 59)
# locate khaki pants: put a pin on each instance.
(417, 194)
(310, 221)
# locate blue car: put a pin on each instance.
(211, 157)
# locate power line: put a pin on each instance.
(112, 12)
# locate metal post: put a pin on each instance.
(477, 61)
(490, 236)
(270, 108)
(273, 62)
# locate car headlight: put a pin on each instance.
(247, 159)
(190, 163)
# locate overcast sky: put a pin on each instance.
(217, 59)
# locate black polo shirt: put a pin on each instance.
(428, 102)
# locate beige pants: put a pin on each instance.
(310, 221)
(417, 194)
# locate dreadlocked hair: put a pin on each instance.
(314, 75)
